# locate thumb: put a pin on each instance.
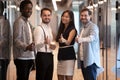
(61, 36)
(47, 37)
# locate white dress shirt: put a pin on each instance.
(30, 32)
(40, 39)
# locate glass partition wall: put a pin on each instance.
(108, 22)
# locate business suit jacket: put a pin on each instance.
(90, 44)
(4, 38)
(21, 38)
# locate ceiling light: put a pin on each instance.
(12, 6)
(37, 7)
(77, 2)
(54, 5)
(58, 0)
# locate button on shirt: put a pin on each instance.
(81, 46)
(90, 42)
(39, 37)
(30, 41)
(82, 39)
(30, 32)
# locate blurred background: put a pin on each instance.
(106, 14)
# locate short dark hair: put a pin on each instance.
(43, 9)
(2, 5)
(23, 4)
(86, 9)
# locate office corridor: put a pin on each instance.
(77, 73)
(105, 13)
(12, 71)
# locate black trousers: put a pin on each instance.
(44, 66)
(90, 72)
(23, 68)
(3, 68)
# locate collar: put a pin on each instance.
(44, 25)
(86, 25)
(25, 19)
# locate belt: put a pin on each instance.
(66, 46)
(44, 52)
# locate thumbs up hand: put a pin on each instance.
(47, 41)
(63, 40)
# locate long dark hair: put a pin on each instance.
(71, 23)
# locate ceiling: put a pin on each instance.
(62, 5)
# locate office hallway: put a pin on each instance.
(12, 70)
(77, 73)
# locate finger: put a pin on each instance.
(46, 37)
(61, 36)
(33, 43)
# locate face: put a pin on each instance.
(27, 11)
(46, 16)
(65, 18)
(85, 17)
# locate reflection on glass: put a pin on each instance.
(116, 68)
(4, 43)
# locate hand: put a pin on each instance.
(31, 47)
(60, 40)
(63, 40)
(76, 39)
(47, 41)
(52, 45)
